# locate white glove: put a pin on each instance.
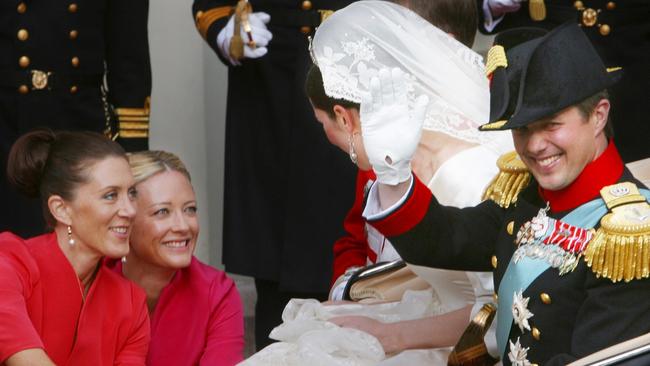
(390, 133)
(261, 37)
(500, 7)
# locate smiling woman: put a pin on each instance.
(196, 313)
(55, 291)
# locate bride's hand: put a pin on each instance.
(384, 332)
(390, 130)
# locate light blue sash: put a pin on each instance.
(520, 275)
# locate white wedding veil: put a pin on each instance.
(354, 43)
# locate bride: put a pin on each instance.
(351, 47)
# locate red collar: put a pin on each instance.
(604, 171)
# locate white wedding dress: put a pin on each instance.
(307, 338)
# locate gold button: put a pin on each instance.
(511, 227)
(75, 61)
(73, 89)
(23, 89)
(611, 5)
(23, 61)
(604, 29)
(73, 8)
(306, 5)
(305, 30)
(494, 261)
(22, 8)
(23, 34)
(74, 34)
(589, 17)
(546, 299)
(578, 5)
(536, 333)
(495, 297)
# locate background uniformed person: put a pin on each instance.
(620, 31)
(282, 210)
(54, 58)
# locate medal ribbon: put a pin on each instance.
(520, 275)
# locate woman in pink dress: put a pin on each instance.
(195, 310)
(59, 304)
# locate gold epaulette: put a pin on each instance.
(513, 177)
(134, 122)
(620, 250)
(537, 10)
(204, 19)
(496, 57)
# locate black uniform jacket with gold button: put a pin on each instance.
(626, 44)
(53, 57)
(286, 187)
(574, 315)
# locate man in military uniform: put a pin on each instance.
(287, 189)
(569, 245)
(54, 58)
(620, 31)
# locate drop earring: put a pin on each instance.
(353, 153)
(70, 239)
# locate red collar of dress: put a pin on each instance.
(604, 171)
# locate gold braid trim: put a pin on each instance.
(537, 10)
(134, 122)
(620, 250)
(204, 19)
(493, 126)
(496, 57)
(513, 177)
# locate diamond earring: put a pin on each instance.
(353, 153)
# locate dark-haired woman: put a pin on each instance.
(60, 304)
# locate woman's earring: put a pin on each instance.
(70, 239)
(124, 259)
(353, 153)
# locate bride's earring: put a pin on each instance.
(353, 153)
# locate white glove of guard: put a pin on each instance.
(500, 7)
(260, 33)
(390, 133)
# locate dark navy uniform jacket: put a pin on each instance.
(53, 57)
(287, 189)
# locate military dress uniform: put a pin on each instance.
(562, 317)
(54, 56)
(620, 32)
(571, 265)
(287, 189)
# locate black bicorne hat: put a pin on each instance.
(534, 76)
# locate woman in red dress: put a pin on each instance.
(196, 313)
(60, 304)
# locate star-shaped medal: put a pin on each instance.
(520, 312)
(518, 355)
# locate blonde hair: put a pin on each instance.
(145, 164)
